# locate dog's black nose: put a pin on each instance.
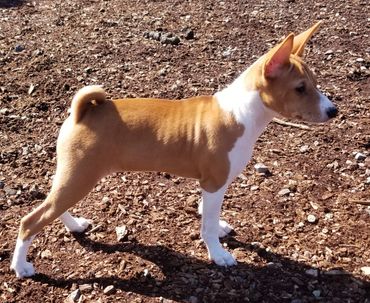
(332, 112)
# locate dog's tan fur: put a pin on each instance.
(185, 138)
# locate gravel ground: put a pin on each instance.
(301, 230)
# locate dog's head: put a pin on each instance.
(288, 86)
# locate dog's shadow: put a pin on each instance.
(187, 278)
(11, 3)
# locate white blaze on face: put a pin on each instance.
(325, 107)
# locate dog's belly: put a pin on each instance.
(172, 160)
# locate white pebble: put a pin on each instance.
(360, 157)
(311, 218)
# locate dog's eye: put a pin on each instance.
(301, 89)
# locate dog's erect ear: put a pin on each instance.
(301, 40)
(277, 57)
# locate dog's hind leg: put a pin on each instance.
(224, 227)
(70, 185)
(73, 224)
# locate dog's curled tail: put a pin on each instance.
(92, 94)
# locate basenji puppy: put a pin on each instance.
(208, 138)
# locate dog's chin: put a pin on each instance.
(316, 119)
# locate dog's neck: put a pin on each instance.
(246, 106)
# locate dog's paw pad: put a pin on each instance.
(224, 229)
(23, 270)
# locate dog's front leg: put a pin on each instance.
(212, 203)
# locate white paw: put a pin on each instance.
(23, 270)
(79, 225)
(222, 257)
(224, 228)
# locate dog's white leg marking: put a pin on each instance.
(74, 224)
(224, 227)
(19, 263)
(210, 228)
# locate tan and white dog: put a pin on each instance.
(208, 138)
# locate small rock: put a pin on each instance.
(304, 148)
(365, 270)
(292, 185)
(4, 111)
(360, 60)
(2, 184)
(194, 236)
(38, 148)
(109, 290)
(193, 299)
(192, 201)
(10, 191)
(105, 200)
(327, 196)
(18, 48)
(46, 254)
(261, 168)
(25, 150)
(296, 301)
(154, 35)
(243, 177)
(170, 39)
(316, 293)
(122, 265)
(31, 89)
(360, 157)
(37, 52)
(333, 165)
(121, 232)
(314, 205)
(284, 192)
(311, 218)
(74, 295)
(312, 272)
(163, 71)
(189, 34)
(85, 287)
(88, 70)
(254, 187)
(227, 52)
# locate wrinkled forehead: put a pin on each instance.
(302, 69)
